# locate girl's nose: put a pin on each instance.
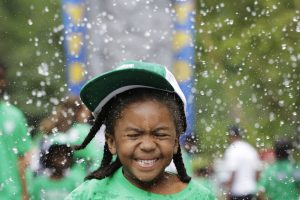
(148, 143)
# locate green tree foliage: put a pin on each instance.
(31, 47)
(247, 70)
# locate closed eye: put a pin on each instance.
(161, 135)
(133, 135)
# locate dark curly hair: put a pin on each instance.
(283, 148)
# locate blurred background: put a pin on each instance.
(246, 66)
(238, 61)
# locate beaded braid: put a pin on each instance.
(179, 164)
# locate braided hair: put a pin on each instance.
(111, 112)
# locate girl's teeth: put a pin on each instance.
(146, 163)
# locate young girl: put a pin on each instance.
(143, 110)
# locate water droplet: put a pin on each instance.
(30, 22)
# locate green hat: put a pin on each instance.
(126, 76)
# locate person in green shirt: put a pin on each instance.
(280, 181)
(14, 147)
(143, 110)
(70, 117)
(57, 181)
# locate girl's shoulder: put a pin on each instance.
(191, 189)
(87, 188)
(117, 187)
(199, 191)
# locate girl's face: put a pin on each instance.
(145, 140)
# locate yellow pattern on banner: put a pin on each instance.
(182, 11)
(75, 43)
(180, 40)
(182, 70)
(76, 72)
(75, 12)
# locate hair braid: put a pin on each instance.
(105, 171)
(107, 157)
(95, 128)
(178, 161)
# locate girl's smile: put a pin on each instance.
(145, 140)
(146, 163)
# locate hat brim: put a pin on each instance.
(100, 87)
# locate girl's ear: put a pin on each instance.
(176, 145)
(111, 142)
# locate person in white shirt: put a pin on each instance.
(243, 164)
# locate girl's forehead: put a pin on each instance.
(146, 114)
(144, 103)
(146, 100)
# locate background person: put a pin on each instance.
(57, 181)
(243, 164)
(14, 147)
(70, 117)
(280, 181)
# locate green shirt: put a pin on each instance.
(14, 142)
(45, 188)
(278, 181)
(118, 187)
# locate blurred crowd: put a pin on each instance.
(51, 168)
(243, 173)
(45, 166)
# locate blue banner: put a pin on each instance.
(74, 42)
(183, 48)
